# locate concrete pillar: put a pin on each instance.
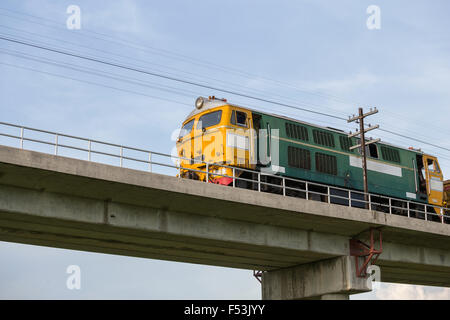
(327, 279)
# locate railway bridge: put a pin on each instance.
(303, 248)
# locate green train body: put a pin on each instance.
(322, 155)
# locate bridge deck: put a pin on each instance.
(75, 204)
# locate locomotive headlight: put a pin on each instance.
(199, 102)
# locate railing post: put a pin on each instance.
(370, 201)
(121, 156)
(409, 213)
(234, 177)
(21, 137)
(390, 205)
(207, 172)
(150, 162)
(179, 168)
(329, 195)
(284, 187)
(349, 198)
(307, 190)
(56, 144)
(89, 153)
(259, 182)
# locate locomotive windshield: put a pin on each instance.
(239, 118)
(186, 128)
(433, 166)
(209, 119)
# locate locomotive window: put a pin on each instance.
(209, 119)
(239, 118)
(432, 166)
(187, 128)
(436, 166)
(373, 151)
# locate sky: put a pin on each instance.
(318, 55)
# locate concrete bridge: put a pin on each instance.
(302, 245)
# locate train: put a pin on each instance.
(219, 140)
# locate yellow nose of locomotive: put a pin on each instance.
(215, 133)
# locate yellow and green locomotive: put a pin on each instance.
(217, 133)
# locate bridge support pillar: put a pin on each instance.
(333, 279)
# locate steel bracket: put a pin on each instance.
(367, 251)
(258, 275)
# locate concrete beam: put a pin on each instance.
(32, 216)
(329, 280)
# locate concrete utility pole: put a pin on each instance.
(363, 144)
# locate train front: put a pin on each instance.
(215, 136)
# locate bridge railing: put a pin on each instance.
(260, 181)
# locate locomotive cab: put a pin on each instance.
(219, 134)
(432, 180)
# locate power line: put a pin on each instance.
(259, 92)
(197, 84)
(99, 51)
(417, 140)
(166, 77)
(164, 53)
(93, 83)
(183, 57)
(142, 94)
(115, 77)
(144, 61)
(98, 73)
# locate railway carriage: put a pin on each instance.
(268, 147)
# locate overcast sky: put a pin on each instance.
(315, 54)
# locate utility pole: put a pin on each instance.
(360, 119)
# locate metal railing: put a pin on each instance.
(284, 186)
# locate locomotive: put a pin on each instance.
(219, 141)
